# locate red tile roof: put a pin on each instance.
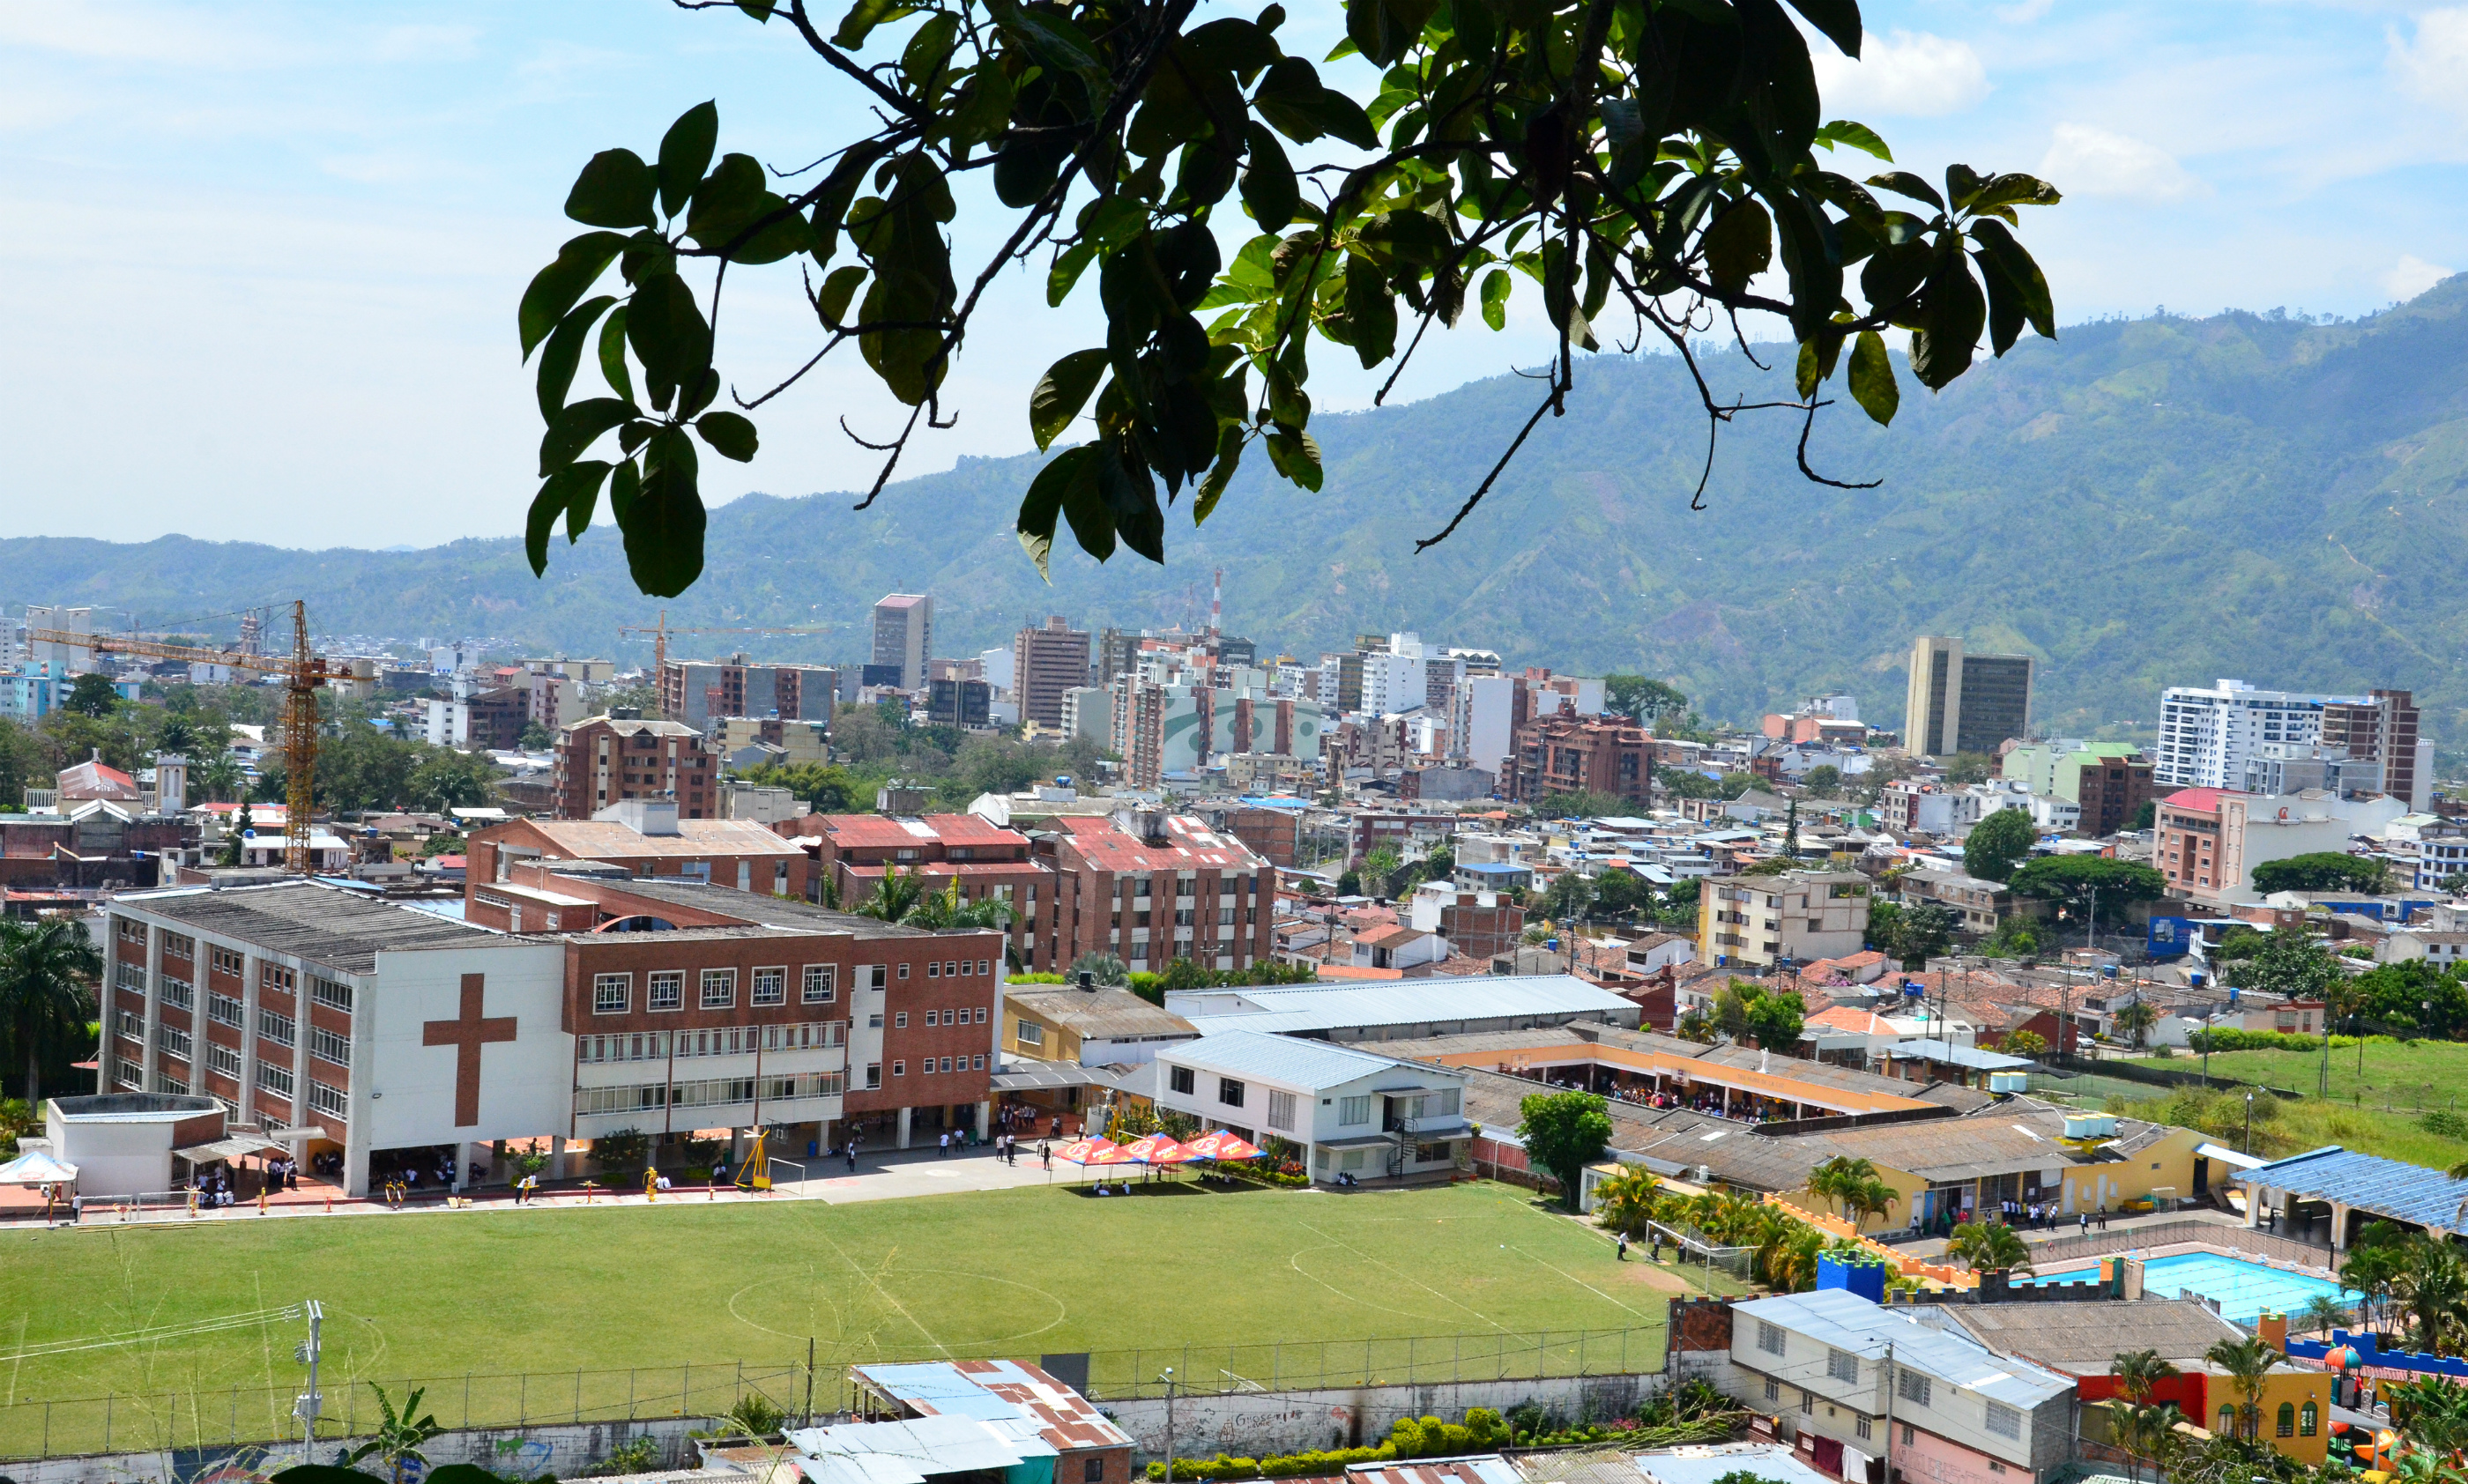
(2202, 801)
(1189, 846)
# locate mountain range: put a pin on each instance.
(2136, 504)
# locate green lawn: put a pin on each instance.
(2382, 1111)
(1259, 1286)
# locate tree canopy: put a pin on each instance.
(1638, 164)
(2321, 870)
(1909, 935)
(1563, 1132)
(1995, 843)
(1642, 699)
(2076, 881)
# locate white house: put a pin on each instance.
(1355, 1117)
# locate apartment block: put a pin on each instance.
(612, 758)
(695, 692)
(2207, 733)
(904, 638)
(1961, 703)
(1045, 663)
(1764, 920)
(1565, 752)
(2384, 727)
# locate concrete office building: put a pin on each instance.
(903, 637)
(1046, 663)
(1959, 702)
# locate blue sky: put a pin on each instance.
(262, 260)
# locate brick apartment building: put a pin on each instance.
(1044, 663)
(694, 691)
(2110, 791)
(1112, 894)
(646, 837)
(295, 1003)
(1273, 835)
(1563, 752)
(2384, 728)
(853, 852)
(611, 758)
(1402, 830)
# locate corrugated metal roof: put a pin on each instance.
(1301, 1063)
(1845, 1321)
(1771, 1462)
(2386, 1187)
(1417, 1002)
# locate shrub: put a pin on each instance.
(623, 1152)
(2448, 1124)
(2253, 1040)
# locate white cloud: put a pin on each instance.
(2411, 276)
(1904, 74)
(2433, 64)
(2026, 13)
(2083, 160)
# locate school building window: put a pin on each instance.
(718, 989)
(822, 983)
(666, 990)
(770, 987)
(611, 994)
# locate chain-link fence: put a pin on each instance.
(135, 1422)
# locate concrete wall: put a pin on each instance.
(1255, 1424)
(565, 1452)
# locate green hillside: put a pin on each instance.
(2140, 502)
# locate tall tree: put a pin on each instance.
(1563, 1132)
(1995, 843)
(2323, 870)
(1642, 699)
(1640, 165)
(48, 971)
(2076, 880)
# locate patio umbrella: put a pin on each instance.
(1158, 1149)
(1081, 1151)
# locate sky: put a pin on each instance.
(262, 258)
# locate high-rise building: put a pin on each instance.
(1046, 662)
(2208, 733)
(1117, 652)
(903, 637)
(609, 760)
(698, 691)
(2382, 727)
(1959, 702)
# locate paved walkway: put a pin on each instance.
(884, 1176)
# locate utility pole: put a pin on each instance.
(1168, 1379)
(1889, 1412)
(2245, 1147)
(308, 1404)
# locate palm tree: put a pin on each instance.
(1836, 1178)
(1871, 1198)
(1102, 968)
(2137, 1372)
(1989, 1246)
(896, 895)
(945, 911)
(2145, 1432)
(1625, 1203)
(2322, 1313)
(2431, 1287)
(2247, 1362)
(2135, 1020)
(47, 972)
(220, 780)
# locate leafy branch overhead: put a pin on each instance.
(1650, 165)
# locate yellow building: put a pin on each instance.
(1094, 1027)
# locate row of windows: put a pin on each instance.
(613, 994)
(717, 1092)
(174, 1042)
(330, 1046)
(222, 1058)
(927, 1066)
(276, 1027)
(223, 1010)
(718, 1041)
(228, 961)
(966, 1016)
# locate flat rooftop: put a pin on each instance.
(344, 930)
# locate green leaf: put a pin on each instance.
(729, 204)
(1042, 505)
(1495, 285)
(730, 435)
(1268, 186)
(1061, 392)
(664, 529)
(1954, 313)
(2006, 258)
(1872, 377)
(612, 356)
(1856, 136)
(1370, 313)
(1229, 458)
(1739, 245)
(581, 480)
(760, 10)
(1131, 496)
(929, 49)
(1069, 265)
(576, 428)
(555, 289)
(564, 351)
(1838, 19)
(2015, 190)
(1291, 99)
(625, 482)
(1085, 506)
(666, 330)
(833, 303)
(1296, 456)
(1385, 30)
(1903, 182)
(613, 190)
(685, 153)
(1962, 184)
(1052, 38)
(546, 506)
(861, 19)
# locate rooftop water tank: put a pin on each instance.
(2091, 1125)
(2009, 1081)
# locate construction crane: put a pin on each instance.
(661, 630)
(306, 673)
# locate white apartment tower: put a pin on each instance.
(2207, 733)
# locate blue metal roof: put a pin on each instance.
(2384, 1187)
(1494, 868)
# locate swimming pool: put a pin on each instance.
(2243, 1289)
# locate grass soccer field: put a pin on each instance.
(2404, 1105)
(605, 1309)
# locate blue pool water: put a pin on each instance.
(2243, 1289)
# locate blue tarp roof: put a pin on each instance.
(2384, 1187)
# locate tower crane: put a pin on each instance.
(305, 674)
(661, 630)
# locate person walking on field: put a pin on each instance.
(1623, 1248)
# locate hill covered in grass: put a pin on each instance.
(2138, 504)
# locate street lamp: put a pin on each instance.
(1168, 1379)
(2246, 1147)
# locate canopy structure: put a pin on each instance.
(37, 1167)
(237, 1145)
(1092, 1151)
(1222, 1145)
(1158, 1149)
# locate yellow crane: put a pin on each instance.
(306, 673)
(661, 630)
